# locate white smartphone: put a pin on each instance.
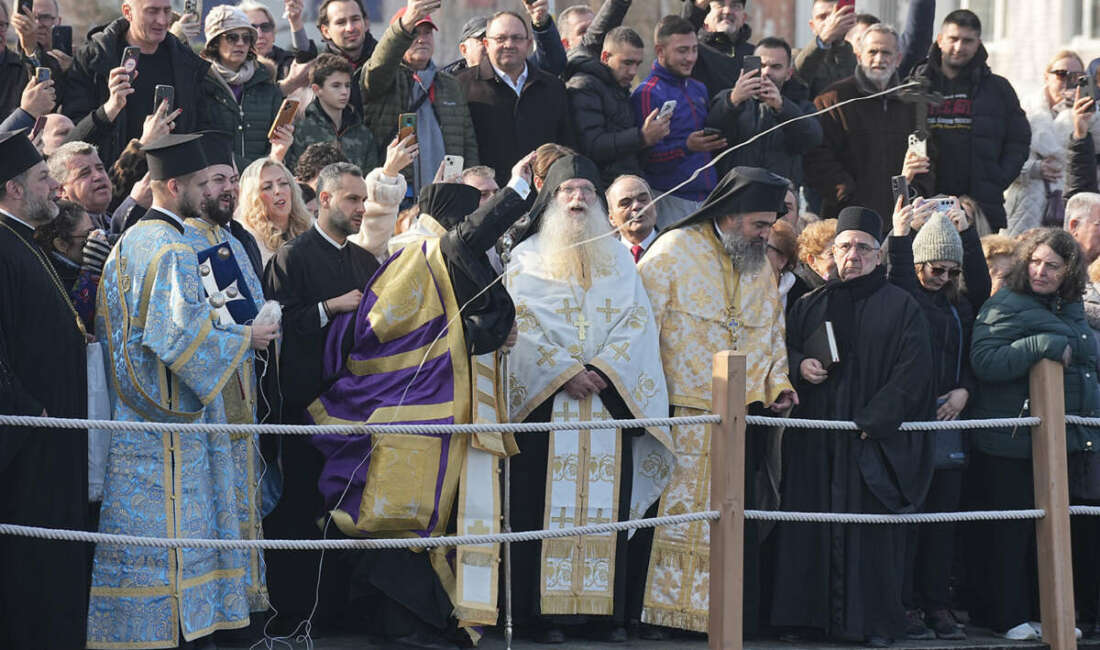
(918, 145)
(452, 166)
(944, 204)
(667, 108)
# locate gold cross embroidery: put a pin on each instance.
(599, 518)
(607, 310)
(478, 528)
(620, 351)
(566, 311)
(582, 324)
(565, 414)
(547, 356)
(561, 520)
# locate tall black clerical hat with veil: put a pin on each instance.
(740, 191)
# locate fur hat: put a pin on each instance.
(938, 241)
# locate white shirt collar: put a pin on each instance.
(517, 87)
(645, 242)
(335, 244)
(15, 218)
(161, 208)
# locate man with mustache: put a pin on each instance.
(845, 582)
(711, 289)
(865, 143)
(43, 371)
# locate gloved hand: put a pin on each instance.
(95, 252)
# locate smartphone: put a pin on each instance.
(667, 109)
(285, 116)
(452, 166)
(710, 131)
(900, 187)
(750, 63)
(23, 7)
(406, 126)
(163, 93)
(130, 57)
(39, 124)
(192, 7)
(62, 38)
(41, 74)
(845, 3)
(944, 204)
(918, 145)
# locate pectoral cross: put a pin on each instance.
(599, 518)
(566, 311)
(561, 520)
(620, 351)
(582, 324)
(565, 414)
(730, 312)
(478, 528)
(607, 310)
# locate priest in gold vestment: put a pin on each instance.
(586, 351)
(711, 290)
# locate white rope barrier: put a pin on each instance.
(350, 544)
(1088, 422)
(1090, 511)
(915, 518)
(348, 429)
(936, 425)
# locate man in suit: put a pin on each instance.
(630, 209)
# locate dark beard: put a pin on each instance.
(189, 210)
(747, 255)
(212, 210)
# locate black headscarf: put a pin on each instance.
(742, 190)
(449, 203)
(564, 169)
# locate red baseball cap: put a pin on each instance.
(426, 20)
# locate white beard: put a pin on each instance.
(560, 233)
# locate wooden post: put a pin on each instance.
(1048, 450)
(727, 495)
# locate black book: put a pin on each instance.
(821, 345)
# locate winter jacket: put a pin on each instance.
(1000, 137)
(950, 337)
(508, 127)
(720, 57)
(1051, 133)
(549, 52)
(13, 79)
(820, 67)
(781, 150)
(606, 129)
(609, 16)
(670, 162)
(86, 90)
(388, 82)
(863, 146)
(1014, 331)
(353, 137)
(1081, 174)
(249, 119)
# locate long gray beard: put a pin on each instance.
(560, 233)
(747, 255)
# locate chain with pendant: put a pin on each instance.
(53, 276)
(730, 312)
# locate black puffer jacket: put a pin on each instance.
(1000, 134)
(720, 57)
(606, 130)
(249, 119)
(781, 150)
(86, 90)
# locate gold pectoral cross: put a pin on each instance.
(730, 316)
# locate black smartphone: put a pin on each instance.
(41, 74)
(163, 93)
(710, 131)
(62, 38)
(750, 63)
(130, 57)
(900, 186)
(23, 7)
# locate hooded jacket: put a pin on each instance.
(999, 133)
(87, 89)
(606, 128)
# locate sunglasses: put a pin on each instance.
(236, 37)
(266, 28)
(938, 271)
(1065, 75)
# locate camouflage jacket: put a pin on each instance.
(354, 138)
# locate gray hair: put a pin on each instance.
(252, 5)
(330, 176)
(568, 13)
(484, 171)
(58, 163)
(880, 28)
(1080, 205)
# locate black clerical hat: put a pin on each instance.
(742, 190)
(862, 219)
(217, 146)
(17, 154)
(449, 203)
(564, 169)
(174, 155)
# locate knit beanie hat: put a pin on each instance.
(938, 241)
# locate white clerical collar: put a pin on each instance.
(15, 218)
(335, 244)
(517, 87)
(160, 208)
(645, 242)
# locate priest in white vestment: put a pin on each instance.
(587, 350)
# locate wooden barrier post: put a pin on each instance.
(727, 495)
(1048, 450)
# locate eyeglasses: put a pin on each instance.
(45, 18)
(862, 249)
(1066, 75)
(584, 190)
(515, 38)
(266, 28)
(236, 37)
(938, 271)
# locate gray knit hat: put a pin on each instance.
(938, 241)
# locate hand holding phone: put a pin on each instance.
(667, 109)
(406, 126)
(62, 38)
(41, 74)
(163, 93)
(130, 57)
(286, 115)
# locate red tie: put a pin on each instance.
(636, 251)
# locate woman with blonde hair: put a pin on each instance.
(271, 206)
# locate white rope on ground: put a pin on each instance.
(350, 544)
(349, 429)
(936, 425)
(916, 518)
(1091, 511)
(1088, 422)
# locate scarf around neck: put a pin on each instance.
(238, 77)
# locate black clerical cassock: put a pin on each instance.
(43, 472)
